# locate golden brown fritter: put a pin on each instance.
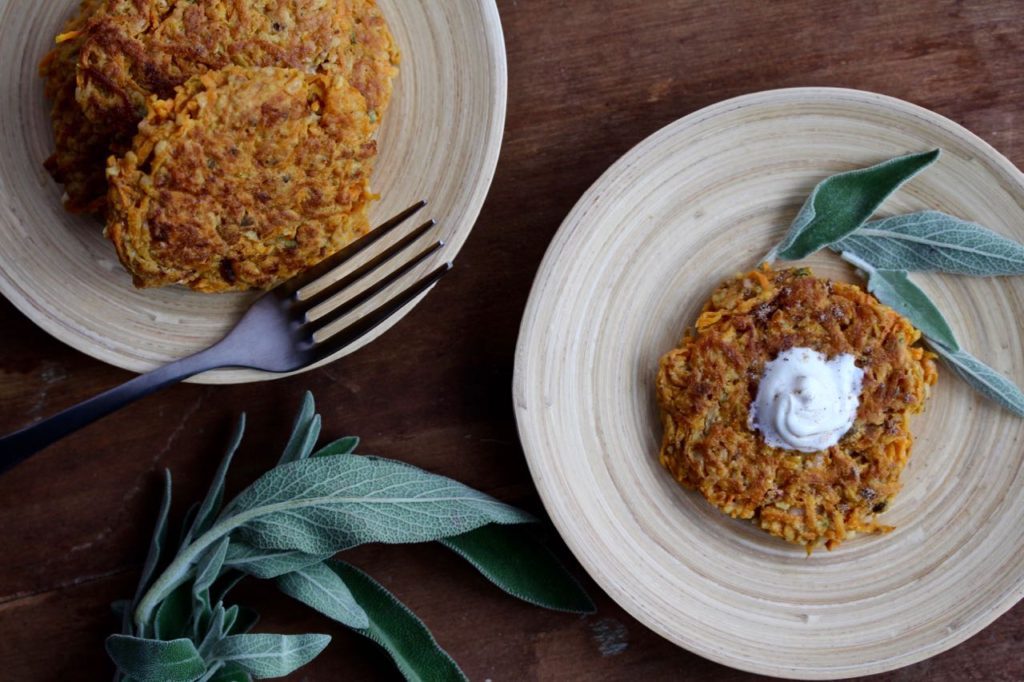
(705, 388)
(137, 48)
(245, 178)
(82, 147)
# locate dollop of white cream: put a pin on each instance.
(806, 402)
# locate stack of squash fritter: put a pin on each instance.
(229, 143)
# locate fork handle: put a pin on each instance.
(22, 444)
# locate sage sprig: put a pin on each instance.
(286, 526)
(835, 216)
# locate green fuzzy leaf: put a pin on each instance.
(895, 290)
(172, 616)
(210, 507)
(265, 656)
(207, 570)
(214, 630)
(841, 203)
(230, 617)
(327, 504)
(151, 660)
(984, 379)
(268, 563)
(304, 433)
(320, 588)
(397, 629)
(156, 546)
(512, 558)
(342, 446)
(934, 241)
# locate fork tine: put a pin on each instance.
(365, 325)
(313, 326)
(314, 273)
(304, 305)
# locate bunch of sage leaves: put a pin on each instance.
(287, 527)
(836, 216)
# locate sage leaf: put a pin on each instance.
(323, 505)
(210, 507)
(153, 660)
(230, 617)
(512, 558)
(327, 504)
(342, 446)
(841, 203)
(935, 241)
(895, 290)
(269, 563)
(207, 569)
(264, 656)
(321, 589)
(156, 546)
(214, 630)
(394, 627)
(984, 379)
(304, 433)
(172, 616)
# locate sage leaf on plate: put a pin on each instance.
(153, 660)
(328, 504)
(320, 588)
(895, 289)
(984, 379)
(512, 558)
(934, 241)
(268, 563)
(397, 629)
(265, 656)
(841, 203)
(304, 433)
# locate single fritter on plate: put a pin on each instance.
(245, 178)
(81, 146)
(706, 387)
(136, 48)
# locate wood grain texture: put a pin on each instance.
(629, 270)
(439, 141)
(587, 81)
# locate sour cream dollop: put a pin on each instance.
(806, 402)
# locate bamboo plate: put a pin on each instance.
(696, 203)
(439, 141)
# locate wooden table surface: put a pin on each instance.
(587, 81)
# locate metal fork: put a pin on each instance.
(275, 334)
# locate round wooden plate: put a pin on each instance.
(695, 203)
(439, 141)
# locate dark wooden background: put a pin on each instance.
(587, 81)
